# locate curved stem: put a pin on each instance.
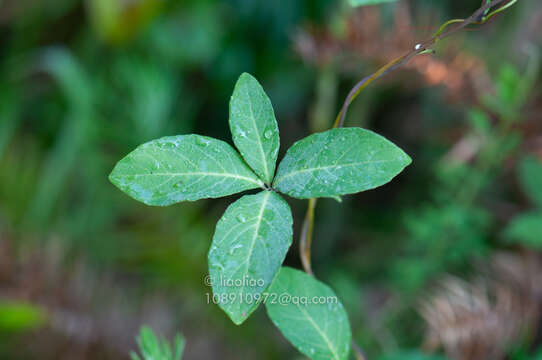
(479, 17)
(358, 352)
(306, 237)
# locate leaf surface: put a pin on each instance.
(339, 162)
(254, 127)
(319, 328)
(179, 168)
(249, 245)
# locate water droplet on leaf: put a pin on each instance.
(202, 141)
(235, 247)
(218, 265)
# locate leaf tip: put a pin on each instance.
(238, 318)
(238, 321)
(246, 76)
(408, 160)
(112, 177)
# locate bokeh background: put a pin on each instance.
(443, 262)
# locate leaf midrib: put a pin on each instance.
(257, 226)
(316, 327)
(259, 140)
(322, 334)
(255, 181)
(296, 172)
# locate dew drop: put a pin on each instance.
(218, 265)
(268, 134)
(235, 247)
(240, 132)
(202, 165)
(241, 218)
(202, 141)
(269, 215)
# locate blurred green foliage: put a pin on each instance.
(410, 355)
(453, 230)
(84, 82)
(368, 2)
(530, 176)
(526, 229)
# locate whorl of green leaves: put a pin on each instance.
(253, 236)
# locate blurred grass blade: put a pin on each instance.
(531, 178)
(9, 116)
(72, 79)
(357, 3)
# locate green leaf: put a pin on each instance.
(526, 229)
(254, 127)
(152, 347)
(185, 167)
(309, 315)
(338, 162)
(20, 316)
(249, 246)
(531, 178)
(480, 121)
(356, 3)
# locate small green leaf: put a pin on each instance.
(152, 347)
(480, 121)
(20, 316)
(356, 3)
(531, 178)
(338, 162)
(526, 229)
(309, 315)
(254, 127)
(185, 167)
(249, 246)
